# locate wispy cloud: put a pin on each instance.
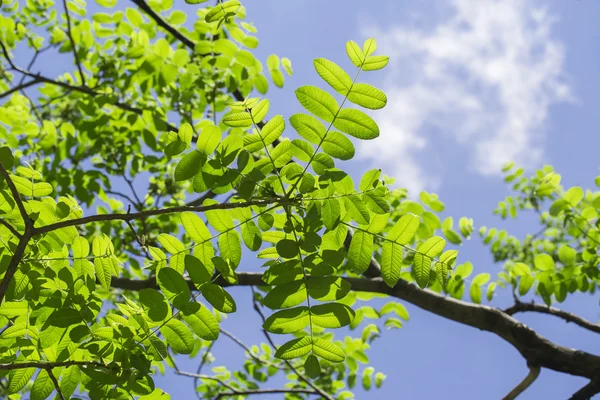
(485, 76)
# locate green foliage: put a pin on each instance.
(104, 302)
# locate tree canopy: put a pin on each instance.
(134, 187)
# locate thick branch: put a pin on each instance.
(150, 213)
(587, 392)
(534, 372)
(567, 316)
(536, 349)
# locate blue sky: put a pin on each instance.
(471, 84)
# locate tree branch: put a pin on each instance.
(567, 316)
(49, 365)
(10, 228)
(264, 391)
(164, 24)
(586, 392)
(70, 35)
(56, 384)
(16, 196)
(82, 89)
(536, 349)
(534, 372)
(149, 213)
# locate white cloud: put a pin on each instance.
(485, 76)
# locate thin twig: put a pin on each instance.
(149, 213)
(48, 365)
(534, 372)
(10, 228)
(567, 316)
(208, 377)
(264, 391)
(56, 384)
(199, 370)
(137, 238)
(70, 35)
(250, 352)
(588, 391)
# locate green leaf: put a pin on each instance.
(174, 286)
(238, 119)
(405, 229)
(295, 348)
(156, 304)
(308, 127)
(287, 248)
(185, 133)
(28, 188)
(251, 235)
(374, 63)
(567, 255)
(42, 387)
(327, 350)
(332, 315)
(11, 309)
(288, 321)
(360, 251)
(223, 11)
(367, 96)
(199, 273)
(369, 46)
(178, 336)
(104, 270)
(318, 102)
(282, 154)
(312, 368)
(356, 123)
(475, 293)
(328, 288)
(334, 75)
(338, 146)
(574, 195)
(544, 262)
(432, 247)
(218, 298)
(231, 247)
(286, 295)
(283, 272)
(369, 179)
(209, 139)
(355, 53)
(18, 378)
(201, 320)
(69, 380)
(194, 226)
(190, 165)
(422, 267)
(357, 209)
(391, 263)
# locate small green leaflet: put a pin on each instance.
(318, 102)
(295, 348)
(312, 368)
(286, 295)
(195, 227)
(189, 166)
(355, 53)
(327, 350)
(178, 336)
(332, 315)
(288, 321)
(174, 286)
(201, 320)
(218, 297)
(42, 387)
(356, 123)
(209, 139)
(360, 251)
(367, 96)
(404, 230)
(334, 75)
(308, 127)
(328, 288)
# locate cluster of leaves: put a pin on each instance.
(99, 303)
